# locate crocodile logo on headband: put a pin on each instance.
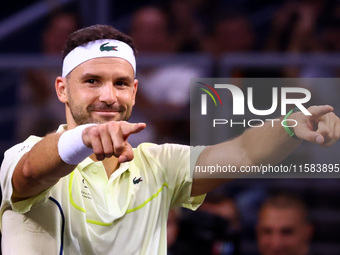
(107, 48)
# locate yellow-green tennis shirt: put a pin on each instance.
(88, 213)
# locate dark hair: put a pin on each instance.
(285, 200)
(96, 32)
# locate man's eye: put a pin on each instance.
(91, 81)
(121, 83)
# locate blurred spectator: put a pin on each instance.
(186, 22)
(309, 26)
(329, 39)
(231, 33)
(294, 30)
(221, 205)
(150, 31)
(213, 230)
(54, 36)
(163, 88)
(330, 34)
(40, 111)
(283, 226)
(294, 27)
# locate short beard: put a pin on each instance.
(79, 116)
(84, 117)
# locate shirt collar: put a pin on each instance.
(62, 128)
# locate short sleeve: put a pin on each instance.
(11, 159)
(174, 159)
(181, 176)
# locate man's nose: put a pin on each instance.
(276, 242)
(108, 94)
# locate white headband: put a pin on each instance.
(98, 49)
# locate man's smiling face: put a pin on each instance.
(100, 90)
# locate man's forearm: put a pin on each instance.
(261, 145)
(266, 145)
(270, 144)
(39, 169)
(56, 155)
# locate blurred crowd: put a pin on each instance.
(282, 226)
(215, 28)
(219, 27)
(181, 27)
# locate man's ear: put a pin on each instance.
(135, 87)
(60, 87)
(309, 232)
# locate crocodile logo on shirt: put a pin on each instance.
(107, 48)
(136, 181)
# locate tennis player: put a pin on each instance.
(84, 190)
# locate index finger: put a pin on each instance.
(320, 110)
(131, 128)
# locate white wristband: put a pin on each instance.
(71, 147)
